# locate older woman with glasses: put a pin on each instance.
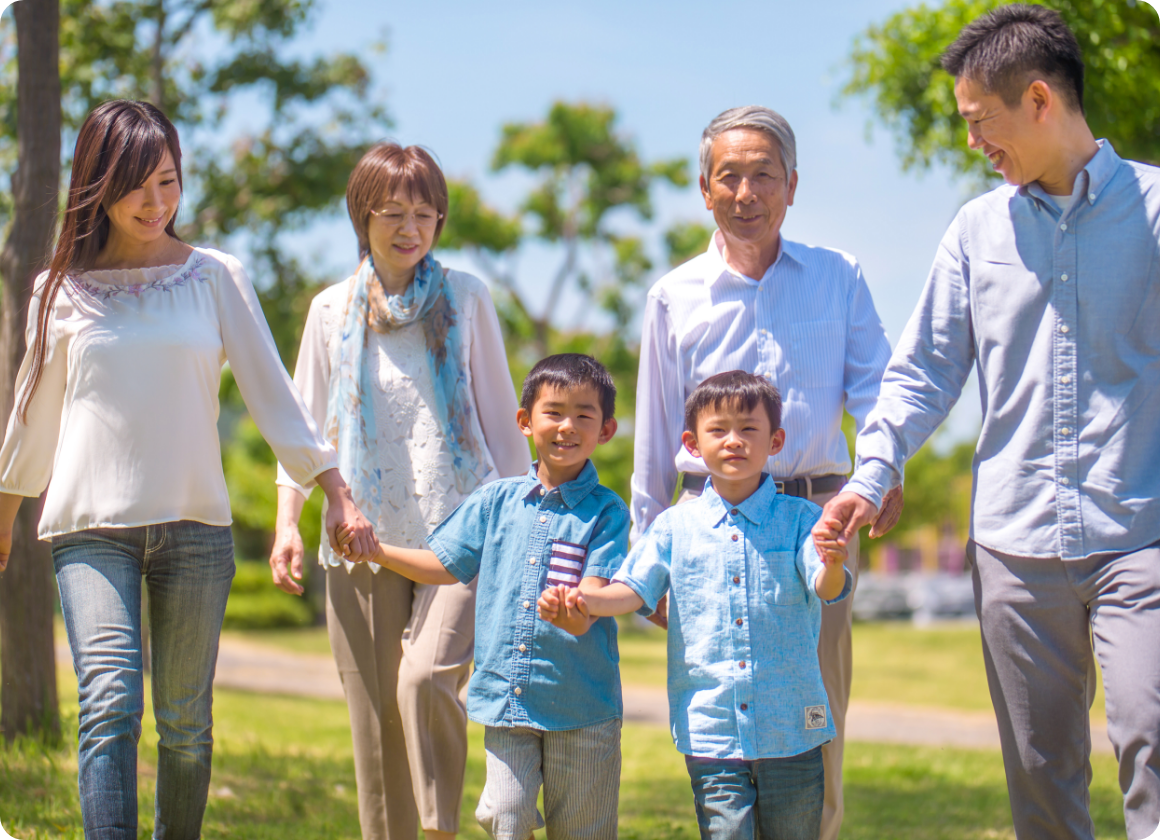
(403, 366)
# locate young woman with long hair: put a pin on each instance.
(116, 414)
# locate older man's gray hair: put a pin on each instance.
(750, 116)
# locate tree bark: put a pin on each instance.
(28, 703)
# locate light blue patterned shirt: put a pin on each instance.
(1060, 314)
(517, 540)
(809, 324)
(744, 620)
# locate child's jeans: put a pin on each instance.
(770, 799)
(580, 772)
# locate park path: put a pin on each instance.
(265, 669)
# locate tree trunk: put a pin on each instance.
(28, 701)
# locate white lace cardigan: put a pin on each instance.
(418, 479)
(124, 421)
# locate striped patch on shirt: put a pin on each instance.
(567, 563)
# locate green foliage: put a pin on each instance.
(585, 169)
(686, 240)
(256, 604)
(895, 65)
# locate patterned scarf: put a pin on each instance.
(350, 418)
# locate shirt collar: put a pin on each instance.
(789, 250)
(1091, 180)
(756, 508)
(572, 492)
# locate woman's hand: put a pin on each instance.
(9, 507)
(286, 559)
(341, 510)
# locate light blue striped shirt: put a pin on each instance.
(809, 325)
(744, 620)
(1060, 314)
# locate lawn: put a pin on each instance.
(283, 769)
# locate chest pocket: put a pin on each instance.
(781, 585)
(566, 564)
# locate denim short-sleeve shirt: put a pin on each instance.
(518, 540)
(744, 620)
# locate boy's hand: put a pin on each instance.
(826, 533)
(345, 535)
(565, 607)
(549, 604)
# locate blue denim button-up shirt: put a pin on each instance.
(744, 620)
(1060, 314)
(511, 534)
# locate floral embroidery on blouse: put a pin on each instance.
(106, 291)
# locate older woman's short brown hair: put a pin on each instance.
(385, 170)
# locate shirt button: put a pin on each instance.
(734, 511)
(1064, 481)
(1063, 226)
(736, 579)
(523, 648)
(527, 604)
(1064, 328)
(741, 664)
(734, 538)
(543, 519)
(519, 691)
(739, 622)
(1063, 277)
(532, 560)
(1066, 430)
(1091, 196)
(744, 707)
(1066, 380)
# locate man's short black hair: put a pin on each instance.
(568, 371)
(738, 390)
(1006, 48)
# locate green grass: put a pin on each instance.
(311, 640)
(896, 662)
(283, 769)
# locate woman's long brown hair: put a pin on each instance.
(119, 146)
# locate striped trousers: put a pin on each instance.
(580, 773)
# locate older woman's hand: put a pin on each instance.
(341, 510)
(286, 559)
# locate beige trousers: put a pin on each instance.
(404, 654)
(835, 657)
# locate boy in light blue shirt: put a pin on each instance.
(550, 701)
(746, 583)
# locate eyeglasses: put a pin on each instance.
(397, 218)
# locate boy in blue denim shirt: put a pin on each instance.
(746, 584)
(550, 700)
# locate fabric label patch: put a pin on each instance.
(815, 717)
(567, 563)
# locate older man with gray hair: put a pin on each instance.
(801, 316)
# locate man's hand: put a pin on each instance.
(286, 559)
(888, 516)
(849, 512)
(565, 607)
(832, 552)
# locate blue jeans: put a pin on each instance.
(188, 568)
(770, 798)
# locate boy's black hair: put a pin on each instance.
(1003, 49)
(736, 389)
(568, 371)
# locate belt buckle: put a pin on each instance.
(780, 485)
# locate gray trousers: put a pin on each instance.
(836, 660)
(1040, 621)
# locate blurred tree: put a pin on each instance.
(585, 171)
(685, 240)
(27, 594)
(896, 65)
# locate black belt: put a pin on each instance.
(803, 487)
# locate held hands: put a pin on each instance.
(827, 533)
(347, 536)
(360, 543)
(851, 511)
(565, 607)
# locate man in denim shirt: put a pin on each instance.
(746, 587)
(1049, 286)
(550, 700)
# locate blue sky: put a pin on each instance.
(454, 72)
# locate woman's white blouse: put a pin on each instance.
(128, 400)
(418, 485)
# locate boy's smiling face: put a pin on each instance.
(735, 443)
(565, 425)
